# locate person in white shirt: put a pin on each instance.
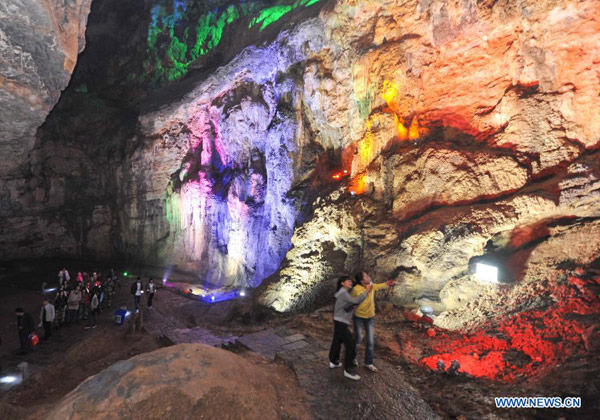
(137, 290)
(47, 318)
(150, 289)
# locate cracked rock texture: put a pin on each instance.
(39, 44)
(466, 130)
(180, 382)
(504, 166)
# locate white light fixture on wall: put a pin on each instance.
(486, 272)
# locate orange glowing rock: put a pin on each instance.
(358, 185)
(390, 92)
(402, 130)
(365, 148)
(413, 130)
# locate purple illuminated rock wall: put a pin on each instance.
(209, 187)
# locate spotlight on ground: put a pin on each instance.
(486, 272)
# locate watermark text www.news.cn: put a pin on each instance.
(537, 402)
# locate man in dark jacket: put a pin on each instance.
(25, 326)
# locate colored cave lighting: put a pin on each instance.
(486, 273)
(366, 146)
(272, 14)
(205, 294)
(358, 185)
(401, 129)
(340, 174)
(389, 92)
(413, 130)
(181, 31)
(528, 343)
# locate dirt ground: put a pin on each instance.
(73, 354)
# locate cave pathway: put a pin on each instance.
(381, 395)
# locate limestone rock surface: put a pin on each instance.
(411, 139)
(183, 381)
(39, 44)
(489, 154)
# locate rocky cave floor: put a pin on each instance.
(291, 345)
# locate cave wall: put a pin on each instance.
(405, 138)
(474, 137)
(39, 44)
(208, 187)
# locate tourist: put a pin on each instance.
(137, 290)
(94, 305)
(342, 314)
(85, 302)
(109, 290)
(73, 303)
(99, 290)
(63, 277)
(113, 274)
(25, 327)
(60, 306)
(150, 289)
(46, 318)
(364, 316)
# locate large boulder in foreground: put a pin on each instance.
(183, 382)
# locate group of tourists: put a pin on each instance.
(84, 297)
(77, 299)
(354, 302)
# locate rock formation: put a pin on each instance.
(183, 381)
(39, 44)
(411, 139)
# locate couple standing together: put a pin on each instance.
(354, 301)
